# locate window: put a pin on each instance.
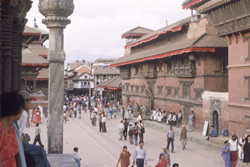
(161, 67)
(136, 70)
(248, 92)
(131, 88)
(85, 76)
(176, 92)
(97, 83)
(198, 93)
(142, 89)
(137, 89)
(169, 91)
(160, 93)
(186, 89)
(169, 67)
(85, 83)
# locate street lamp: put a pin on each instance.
(90, 73)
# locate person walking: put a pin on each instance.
(162, 162)
(79, 111)
(141, 130)
(100, 121)
(183, 137)
(124, 157)
(123, 112)
(127, 115)
(233, 151)
(166, 156)
(140, 155)
(170, 138)
(246, 150)
(104, 120)
(226, 154)
(125, 131)
(179, 119)
(191, 122)
(131, 133)
(121, 128)
(38, 136)
(136, 132)
(75, 155)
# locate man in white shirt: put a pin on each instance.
(121, 128)
(38, 136)
(23, 120)
(140, 155)
(75, 155)
(104, 120)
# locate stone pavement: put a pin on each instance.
(99, 149)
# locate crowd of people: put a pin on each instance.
(172, 118)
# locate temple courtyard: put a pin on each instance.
(99, 149)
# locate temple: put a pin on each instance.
(231, 21)
(172, 67)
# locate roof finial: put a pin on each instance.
(35, 25)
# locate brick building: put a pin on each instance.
(170, 68)
(231, 20)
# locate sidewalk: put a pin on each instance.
(195, 136)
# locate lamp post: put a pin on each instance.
(90, 85)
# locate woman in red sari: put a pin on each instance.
(124, 157)
(162, 161)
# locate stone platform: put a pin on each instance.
(61, 160)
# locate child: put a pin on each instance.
(75, 155)
(226, 154)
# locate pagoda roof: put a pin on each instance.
(32, 59)
(30, 31)
(114, 83)
(43, 74)
(38, 49)
(106, 71)
(136, 32)
(155, 34)
(193, 4)
(203, 43)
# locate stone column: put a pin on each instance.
(56, 13)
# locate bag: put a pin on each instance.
(143, 130)
(130, 132)
(136, 132)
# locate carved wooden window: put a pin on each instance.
(176, 92)
(169, 91)
(137, 89)
(136, 70)
(131, 88)
(248, 92)
(186, 88)
(142, 89)
(248, 41)
(127, 86)
(198, 93)
(160, 92)
(169, 67)
(123, 87)
(161, 67)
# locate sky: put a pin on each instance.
(97, 25)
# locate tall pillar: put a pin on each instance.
(56, 13)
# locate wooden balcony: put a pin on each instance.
(185, 72)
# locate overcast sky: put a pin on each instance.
(97, 25)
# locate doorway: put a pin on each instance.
(215, 120)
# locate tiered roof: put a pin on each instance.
(112, 84)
